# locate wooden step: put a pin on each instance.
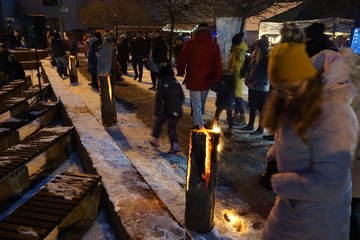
(29, 54)
(29, 65)
(14, 87)
(23, 125)
(32, 159)
(16, 105)
(62, 209)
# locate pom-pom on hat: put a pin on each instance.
(289, 64)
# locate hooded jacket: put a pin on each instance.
(236, 61)
(169, 98)
(314, 180)
(201, 59)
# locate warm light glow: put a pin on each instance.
(189, 164)
(236, 222)
(70, 63)
(209, 147)
(219, 147)
(110, 89)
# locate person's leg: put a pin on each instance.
(355, 219)
(171, 128)
(65, 65)
(230, 118)
(123, 65)
(261, 101)
(239, 106)
(252, 114)
(94, 82)
(204, 95)
(134, 63)
(217, 114)
(58, 65)
(196, 105)
(153, 76)
(141, 68)
(159, 122)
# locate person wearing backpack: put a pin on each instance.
(237, 65)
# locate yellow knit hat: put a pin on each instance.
(289, 64)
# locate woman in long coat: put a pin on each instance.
(316, 133)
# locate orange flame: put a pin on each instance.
(109, 84)
(209, 148)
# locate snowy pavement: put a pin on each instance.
(112, 157)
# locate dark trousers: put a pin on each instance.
(239, 106)
(355, 219)
(138, 63)
(228, 115)
(123, 65)
(154, 77)
(257, 100)
(171, 127)
(94, 81)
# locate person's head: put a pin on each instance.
(317, 40)
(97, 35)
(315, 31)
(290, 32)
(297, 94)
(237, 38)
(203, 25)
(156, 33)
(166, 71)
(262, 44)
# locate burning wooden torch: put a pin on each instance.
(201, 179)
(107, 101)
(73, 70)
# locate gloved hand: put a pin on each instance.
(270, 169)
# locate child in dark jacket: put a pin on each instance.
(168, 108)
(225, 97)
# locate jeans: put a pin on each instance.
(198, 99)
(61, 64)
(239, 106)
(138, 61)
(171, 127)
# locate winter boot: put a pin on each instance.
(154, 141)
(175, 147)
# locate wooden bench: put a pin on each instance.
(15, 105)
(14, 87)
(17, 128)
(31, 159)
(63, 209)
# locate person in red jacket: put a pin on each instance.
(201, 60)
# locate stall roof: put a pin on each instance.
(318, 9)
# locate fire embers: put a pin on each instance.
(203, 151)
(201, 179)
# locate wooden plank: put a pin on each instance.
(14, 228)
(29, 222)
(54, 200)
(7, 235)
(64, 207)
(39, 209)
(37, 216)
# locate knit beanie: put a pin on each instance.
(289, 64)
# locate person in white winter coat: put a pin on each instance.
(316, 134)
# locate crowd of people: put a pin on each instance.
(300, 89)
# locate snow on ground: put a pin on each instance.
(164, 173)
